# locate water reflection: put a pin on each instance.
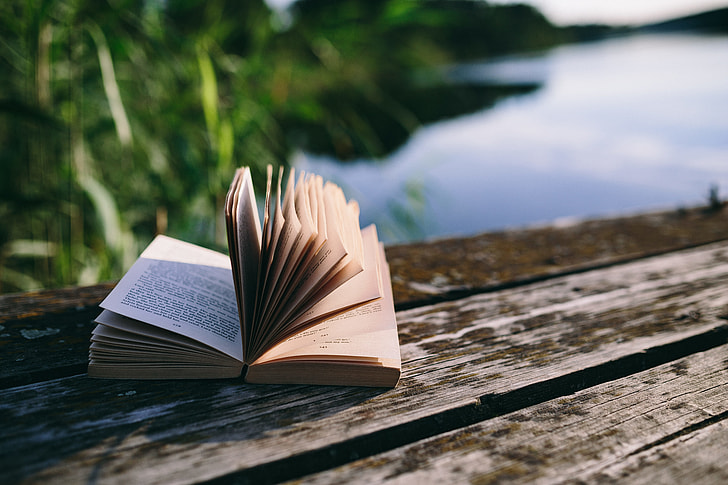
(627, 124)
(511, 70)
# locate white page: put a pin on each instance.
(185, 289)
(110, 322)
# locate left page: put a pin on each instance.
(185, 289)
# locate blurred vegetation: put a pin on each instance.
(120, 119)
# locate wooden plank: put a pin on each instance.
(454, 267)
(665, 425)
(425, 269)
(503, 349)
(696, 457)
(18, 306)
(49, 346)
(45, 334)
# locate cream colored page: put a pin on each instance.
(288, 250)
(277, 222)
(309, 231)
(347, 221)
(369, 331)
(303, 210)
(362, 287)
(335, 295)
(332, 253)
(300, 254)
(182, 288)
(330, 256)
(288, 238)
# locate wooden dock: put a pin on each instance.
(595, 352)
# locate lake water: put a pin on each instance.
(623, 125)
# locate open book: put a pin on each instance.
(304, 299)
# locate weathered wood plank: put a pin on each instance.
(45, 346)
(457, 266)
(423, 269)
(45, 334)
(18, 306)
(696, 457)
(456, 355)
(665, 425)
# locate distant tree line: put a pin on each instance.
(121, 119)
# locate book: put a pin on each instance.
(304, 298)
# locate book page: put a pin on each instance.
(248, 240)
(120, 334)
(182, 288)
(301, 253)
(330, 265)
(367, 333)
(287, 246)
(268, 278)
(363, 286)
(336, 296)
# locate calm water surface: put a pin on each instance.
(624, 125)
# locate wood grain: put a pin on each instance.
(465, 362)
(454, 267)
(665, 425)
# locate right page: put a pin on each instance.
(367, 334)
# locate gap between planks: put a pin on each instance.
(683, 278)
(487, 407)
(664, 425)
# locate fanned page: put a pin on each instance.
(364, 333)
(183, 289)
(358, 347)
(244, 242)
(338, 259)
(300, 235)
(360, 289)
(311, 245)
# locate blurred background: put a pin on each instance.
(121, 119)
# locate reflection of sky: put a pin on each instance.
(629, 124)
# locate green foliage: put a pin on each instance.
(116, 122)
(121, 119)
